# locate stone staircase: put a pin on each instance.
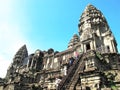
(65, 83)
(76, 76)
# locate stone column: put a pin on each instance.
(28, 63)
(94, 45)
(113, 46)
(31, 64)
(65, 70)
(84, 48)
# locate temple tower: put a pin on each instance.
(18, 61)
(74, 41)
(20, 55)
(94, 31)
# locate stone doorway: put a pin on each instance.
(88, 88)
(87, 46)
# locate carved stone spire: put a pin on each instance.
(73, 41)
(20, 55)
(94, 31)
(18, 59)
(91, 17)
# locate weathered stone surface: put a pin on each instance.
(91, 61)
(18, 61)
(74, 41)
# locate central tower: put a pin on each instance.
(94, 31)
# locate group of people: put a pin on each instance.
(71, 60)
(70, 63)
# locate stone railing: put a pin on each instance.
(68, 77)
(76, 76)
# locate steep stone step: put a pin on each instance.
(67, 79)
(75, 77)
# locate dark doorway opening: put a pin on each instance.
(108, 48)
(87, 46)
(87, 88)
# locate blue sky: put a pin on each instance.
(44, 24)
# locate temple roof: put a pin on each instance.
(73, 41)
(92, 15)
(20, 55)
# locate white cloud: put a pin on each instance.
(11, 40)
(6, 9)
(3, 66)
(11, 36)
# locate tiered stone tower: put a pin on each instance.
(95, 32)
(18, 61)
(91, 61)
(74, 41)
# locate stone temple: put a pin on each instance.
(91, 61)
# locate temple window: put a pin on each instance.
(108, 48)
(88, 46)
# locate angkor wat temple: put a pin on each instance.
(91, 61)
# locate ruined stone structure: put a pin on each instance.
(91, 61)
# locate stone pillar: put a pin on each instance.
(65, 70)
(31, 64)
(52, 62)
(47, 63)
(84, 47)
(44, 67)
(28, 63)
(35, 65)
(113, 46)
(86, 64)
(94, 45)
